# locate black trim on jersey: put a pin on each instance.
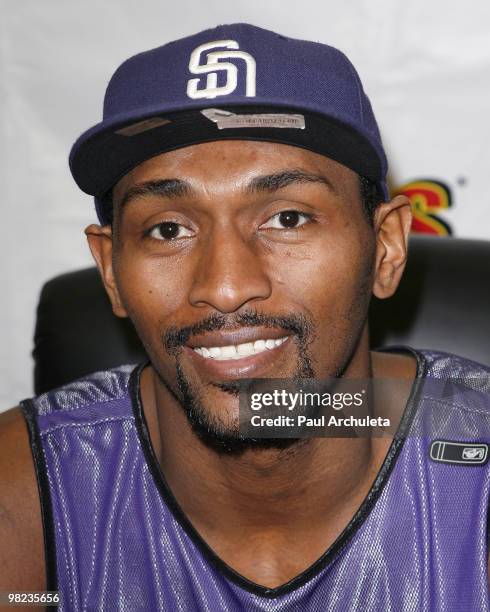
(41, 469)
(347, 533)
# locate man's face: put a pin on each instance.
(239, 259)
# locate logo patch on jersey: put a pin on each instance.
(210, 65)
(461, 453)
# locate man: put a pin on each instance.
(239, 180)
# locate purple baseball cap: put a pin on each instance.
(234, 82)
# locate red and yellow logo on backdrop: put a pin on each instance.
(428, 197)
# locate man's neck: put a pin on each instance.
(311, 489)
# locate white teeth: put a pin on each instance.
(259, 345)
(228, 352)
(245, 349)
(231, 351)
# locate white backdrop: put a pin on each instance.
(425, 65)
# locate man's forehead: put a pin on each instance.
(236, 162)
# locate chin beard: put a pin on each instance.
(214, 433)
(222, 437)
(225, 439)
(217, 435)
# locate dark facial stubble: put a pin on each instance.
(209, 429)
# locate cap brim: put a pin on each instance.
(107, 152)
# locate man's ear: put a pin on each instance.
(100, 243)
(392, 222)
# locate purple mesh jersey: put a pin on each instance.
(116, 538)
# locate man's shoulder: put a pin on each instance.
(457, 385)
(443, 369)
(14, 444)
(22, 550)
(16, 464)
(69, 401)
(97, 397)
(450, 366)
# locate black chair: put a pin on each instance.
(442, 303)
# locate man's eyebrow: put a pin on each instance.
(279, 180)
(167, 188)
(175, 188)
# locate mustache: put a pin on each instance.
(174, 337)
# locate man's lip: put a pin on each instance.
(229, 369)
(238, 336)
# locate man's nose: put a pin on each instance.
(230, 273)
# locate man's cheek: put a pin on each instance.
(147, 308)
(150, 289)
(314, 280)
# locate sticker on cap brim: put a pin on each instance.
(461, 453)
(142, 126)
(226, 119)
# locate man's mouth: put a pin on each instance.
(239, 351)
(245, 351)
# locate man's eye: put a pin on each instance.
(169, 231)
(287, 219)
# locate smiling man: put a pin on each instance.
(239, 180)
